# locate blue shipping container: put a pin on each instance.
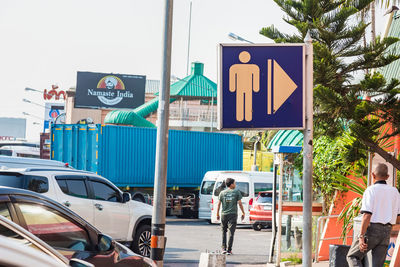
(126, 155)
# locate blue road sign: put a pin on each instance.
(261, 86)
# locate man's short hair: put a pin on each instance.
(229, 181)
(381, 170)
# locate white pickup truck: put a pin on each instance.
(91, 196)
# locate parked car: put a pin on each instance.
(92, 197)
(21, 162)
(15, 254)
(248, 183)
(64, 230)
(261, 212)
(18, 247)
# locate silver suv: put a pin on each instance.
(91, 196)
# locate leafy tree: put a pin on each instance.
(339, 58)
(333, 157)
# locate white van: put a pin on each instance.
(249, 184)
(206, 190)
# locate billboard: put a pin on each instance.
(51, 112)
(12, 128)
(102, 90)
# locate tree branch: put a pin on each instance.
(384, 154)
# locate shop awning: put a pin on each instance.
(286, 141)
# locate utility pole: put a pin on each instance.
(188, 49)
(158, 239)
(308, 156)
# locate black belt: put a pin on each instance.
(387, 224)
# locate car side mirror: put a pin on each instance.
(105, 243)
(79, 263)
(126, 197)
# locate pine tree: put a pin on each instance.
(339, 58)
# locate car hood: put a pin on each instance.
(145, 209)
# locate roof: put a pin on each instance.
(392, 70)
(28, 162)
(149, 107)
(194, 86)
(127, 117)
(286, 141)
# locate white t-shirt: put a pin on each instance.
(382, 201)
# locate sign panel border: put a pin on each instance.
(220, 84)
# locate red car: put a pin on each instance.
(261, 212)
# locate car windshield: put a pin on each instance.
(34, 183)
(264, 198)
(207, 187)
(243, 187)
(258, 187)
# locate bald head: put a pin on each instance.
(381, 171)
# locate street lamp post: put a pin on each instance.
(27, 114)
(236, 37)
(188, 52)
(33, 90)
(33, 103)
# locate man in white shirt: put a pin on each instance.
(380, 208)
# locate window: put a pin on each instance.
(4, 231)
(10, 233)
(207, 187)
(243, 188)
(258, 187)
(218, 188)
(105, 192)
(38, 184)
(73, 187)
(264, 198)
(63, 186)
(5, 152)
(4, 211)
(54, 229)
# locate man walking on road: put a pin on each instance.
(380, 209)
(229, 199)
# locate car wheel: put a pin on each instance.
(257, 227)
(141, 244)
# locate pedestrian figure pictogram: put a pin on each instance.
(244, 79)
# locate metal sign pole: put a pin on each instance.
(308, 157)
(160, 180)
(272, 246)
(280, 204)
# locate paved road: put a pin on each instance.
(186, 239)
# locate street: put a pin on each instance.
(187, 238)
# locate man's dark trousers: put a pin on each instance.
(228, 222)
(378, 236)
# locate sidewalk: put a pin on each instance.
(185, 264)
